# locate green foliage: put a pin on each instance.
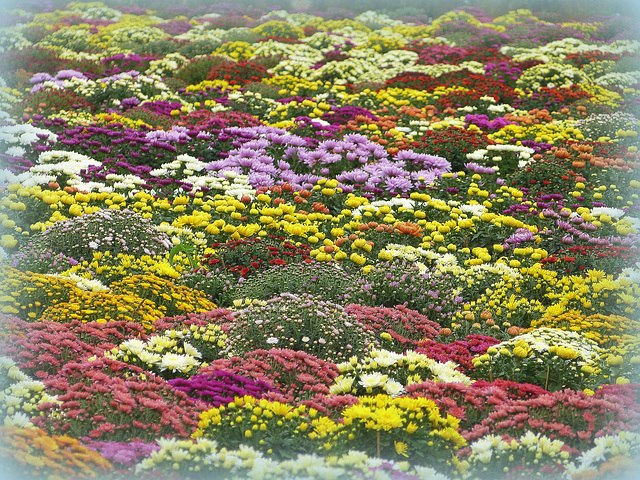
(299, 322)
(116, 231)
(329, 281)
(199, 47)
(197, 69)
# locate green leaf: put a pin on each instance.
(187, 249)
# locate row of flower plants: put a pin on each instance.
(241, 242)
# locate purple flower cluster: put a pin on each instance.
(522, 235)
(271, 156)
(573, 233)
(123, 453)
(477, 168)
(39, 79)
(485, 124)
(220, 387)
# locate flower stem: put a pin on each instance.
(546, 383)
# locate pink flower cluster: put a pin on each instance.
(298, 375)
(111, 400)
(406, 326)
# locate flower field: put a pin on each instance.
(245, 242)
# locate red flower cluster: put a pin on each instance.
(577, 258)
(239, 73)
(45, 347)
(298, 375)
(452, 144)
(586, 58)
(458, 351)
(407, 327)
(573, 417)
(473, 404)
(244, 257)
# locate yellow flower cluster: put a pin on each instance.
(237, 50)
(128, 28)
(108, 268)
(28, 295)
(278, 28)
(603, 95)
(169, 299)
(296, 86)
(606, 330)
(592, 293)
(550, 132)
(377, 424)
(103, 307)
(260, 423)
(382, 44)
(506, 304)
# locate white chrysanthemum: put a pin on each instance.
(149, 358)
(134, 345)
(177, 362)
(393, 388)
(341, 385)
(191, 350)
(18, 419)
(612, 212)
(477, 209)
(446, 372)
(374, 379)
(385, 358)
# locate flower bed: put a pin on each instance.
(243, 242)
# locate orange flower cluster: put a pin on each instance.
(31, 452)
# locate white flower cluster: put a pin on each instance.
(200, 32)
(12, 136)
(160, 352)
(495, 152)
(619, 79)
(631, 274)
(20, 396)
(83, 283)
(372, 18)
(191, 170)
(552, 51)
(499, 109)
(614, 213)
(11, 37)
(626, 444)
(246, 462)
(294, 53)
(493, 448)
(377, 370)
(55, 162)
(413, 254)
(100, 13)
(541, 339)
(168, 63)
(142, 87)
